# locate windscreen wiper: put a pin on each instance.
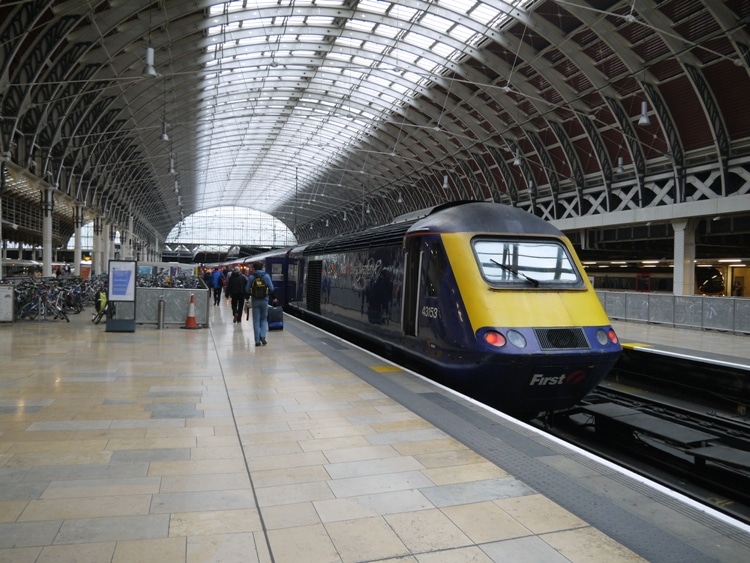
(516, 273)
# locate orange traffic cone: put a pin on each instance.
(191, 322)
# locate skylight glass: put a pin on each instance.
(291, 83)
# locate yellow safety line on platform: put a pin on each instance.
(385, 369)
(634, 345)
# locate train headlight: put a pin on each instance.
(605, 337)
(516, 338)
(494, 338)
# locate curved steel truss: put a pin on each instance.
(336, 114)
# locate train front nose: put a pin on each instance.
(550, 368)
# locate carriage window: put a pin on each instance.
(435, 269)
(527, 263)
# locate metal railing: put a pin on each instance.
(729, 314)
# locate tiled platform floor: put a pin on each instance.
(703, 343)
(180, 445)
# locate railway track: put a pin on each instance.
(702, 453)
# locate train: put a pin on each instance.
(485, 298)
(19, 268)
(659, 277)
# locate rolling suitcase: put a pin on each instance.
(275, 318)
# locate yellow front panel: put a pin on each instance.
(518, 307)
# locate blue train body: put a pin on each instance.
(487, 298)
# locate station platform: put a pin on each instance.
(716, 347)
(194, 445)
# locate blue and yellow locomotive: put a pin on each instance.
(486, 298)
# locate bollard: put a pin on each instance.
(160, 314)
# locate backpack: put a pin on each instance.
(258, 288)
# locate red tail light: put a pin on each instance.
(612, 336)
(494, 338)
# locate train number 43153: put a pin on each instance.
(430, 312)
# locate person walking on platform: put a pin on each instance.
(207, 279)
(218, 280)
(226, 271)
(236, 291)
(260, 286)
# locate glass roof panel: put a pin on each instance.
(305, 78)
(418, 39)
(437, 23)
(443, 50)
(385, 30)
(484, 13)
(359, 25)
(463, 33)
(374, 47)
(375, 6)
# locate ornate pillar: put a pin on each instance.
(103, 256)
(112, 237)
(128, 243)
(105, 241)
(3, 158)
(48, 206)
(78, 224)
(96, 255)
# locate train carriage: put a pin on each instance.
(487, 298)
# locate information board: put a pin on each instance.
(121, 290)
(122, 280)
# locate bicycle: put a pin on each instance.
(54, 299)
(103, 307)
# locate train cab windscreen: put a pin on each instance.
(526, 263)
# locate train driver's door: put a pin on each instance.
(410, 299)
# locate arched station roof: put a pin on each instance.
(334, 114)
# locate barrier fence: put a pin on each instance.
(730, 314)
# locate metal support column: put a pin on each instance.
(48, 206)
(129, 240)
(112, 237)
(684, 256)
(97, 266)
(105, 241)
(3, 158)
(78, 225)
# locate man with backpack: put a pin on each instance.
(260, 286)
(235, 289)
(218, 281)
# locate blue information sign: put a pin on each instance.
(120, 282)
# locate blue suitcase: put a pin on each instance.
(275, 318)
